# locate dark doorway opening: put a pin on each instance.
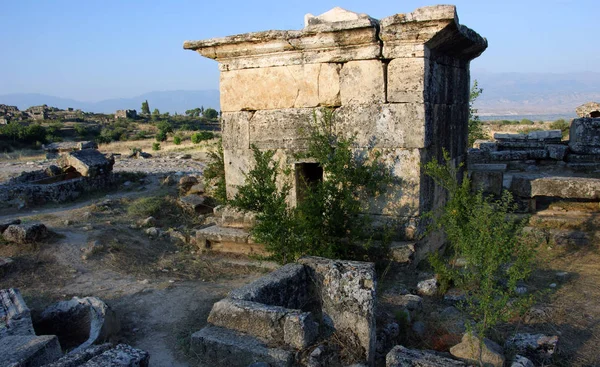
(595, 114)
(308, 175)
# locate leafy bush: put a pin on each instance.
(27, 134)
(329, 221)
(214, 174)
(561, 125)
(155, 146)
(161, 136)
(526, 122)
(490, 239)
(475, 124)
(201, 136)
(146, 206)
(177, 140)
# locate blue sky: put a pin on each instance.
(92, 50)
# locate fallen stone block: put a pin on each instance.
(400, 356)
(228, 216)
(78, 358)
(218, 346)
(186, 182)
(29, 350)
(195, 203)
(5, 225)
(88, 162)
(122, 355)
(471, 350)
(402, 252)
(272, 324)
(15, 317)
(79, 323)
(225, 239)
(488, 182)
(537, 345)
(411, 302)
(25, 233)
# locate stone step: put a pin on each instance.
(226, 239)
(29, 350)
(563, 187)
(217, 346)
(228, 216)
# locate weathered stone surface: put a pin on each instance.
(557, 151)
(29, 350)
(584, 136)
(400, 356)
(217, 346)
(197, 189)
(347, 293)
(334, 15)
(411, 302)
(294, 86)
(383, 125)
(486, 146)
(15, 317)
(407, 80)
(69, 146)
(195, 203)
(229, 216)
(362, 82)
(25, 233)
(402, 252)
(437, 27)
(79, 358)
(88, 162)
(486, 167)
(564, 187)
(470, 349)
(5, 225)
(272, 324)
(79, 323)
(186, 182)
(533, 136)
(518, 155)
(280, 129)
(285, 287)
(489, 182)
(539, 345)
(122, 355)
(427, 287)
(520, 361)
(588, 110)
(226, 239)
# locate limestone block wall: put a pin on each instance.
(400, 85)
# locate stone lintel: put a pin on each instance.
(332, 42)
(435, 27)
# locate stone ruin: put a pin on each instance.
(540, 166)
(282, 318)
(67, 334)
(126, 114)
(80, 172)
(54, 150)
(400, 84)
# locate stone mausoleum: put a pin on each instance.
(400, 84)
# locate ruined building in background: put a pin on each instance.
(401, 84)
(126, 114)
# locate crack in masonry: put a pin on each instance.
(252, 113)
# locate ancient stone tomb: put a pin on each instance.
(400, 84)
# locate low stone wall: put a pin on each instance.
(28, 195)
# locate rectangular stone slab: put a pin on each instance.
(29, 350)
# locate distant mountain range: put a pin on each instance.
(535, 93)
(166, 101)
(504, 94)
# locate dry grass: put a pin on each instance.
(125, 147)
(23, 155)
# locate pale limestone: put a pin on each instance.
(362, 82)
(406, 79)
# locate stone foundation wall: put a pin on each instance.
(400, 85)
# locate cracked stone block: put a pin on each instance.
(25, 233)
(29, 350)
(88, 162)
(15, 317)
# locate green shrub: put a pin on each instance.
(475, 124)
(214, 174)
(201, 136)
(329, 220)
(526, 122)
(177, 140)
(146, 207)
(561, 125)
(161, 136)
(155, 146)
(489, 238)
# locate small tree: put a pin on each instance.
(210, 113)
(487, 235)
(155, 146)
(145, 108)
(177, 140)
(161, 136)
(475, 124)
(155, 114)
(214, 174)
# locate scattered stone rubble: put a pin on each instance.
(80, 171)
(20, 346)
(399, 84)
(294, 308)
(540, 165)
